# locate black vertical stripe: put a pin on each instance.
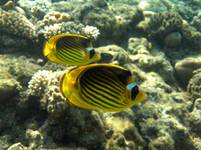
(108, 80)
(108, 86)
(67, 58)
(98, 89)
(71, 50)
(90, 97)
(95, 92)
(67, 54)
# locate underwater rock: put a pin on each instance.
(15, 23)
(112, 53)
(68, 7)
(10, 44)
(35, 138)
(158, 64)
(22, 68)
(156, 5)
(17, 146)
(197, 142)
(184, 68)
(9, 5)
(160, 25)
(163, 23)
(196, 22)
(154, 81)
(162, 142)
(173, 40)
(117, 20)
(117, 141)
(19, 69)
(124, 133)
(8, 88)
(36, 8)
(194, 121)
(138, 46)
(87, 129)
(185, 10)
(192, 37)
(194, 85)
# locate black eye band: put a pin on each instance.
(91, 52)
(134, 90)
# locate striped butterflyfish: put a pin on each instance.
(104, 87)
(70, 49)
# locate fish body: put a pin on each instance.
(70, 49)
(103, 87)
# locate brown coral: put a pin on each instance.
(55, 17)
(16, 24)
(164, 23)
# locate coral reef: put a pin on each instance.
(119, 18)
(58, 28)
(163, 23)
(185, 68)
(156, 6)
(158, 41)
(169, 29)
(36, 8)
(194, 85)
(113, 53)
(138, 46)
(45, 84)
(17, 146)
(8, 88)
(192, 37)
(16, 24)
(55, 17)
(159, 64)
(197, 21)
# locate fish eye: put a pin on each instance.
(91, 52)
(133, 87)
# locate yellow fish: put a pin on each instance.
(70, 49)
(104, 87)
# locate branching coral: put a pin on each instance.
(91, 32)
(58, 28)
(45, 84)
(39, 81)
(196, 22)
